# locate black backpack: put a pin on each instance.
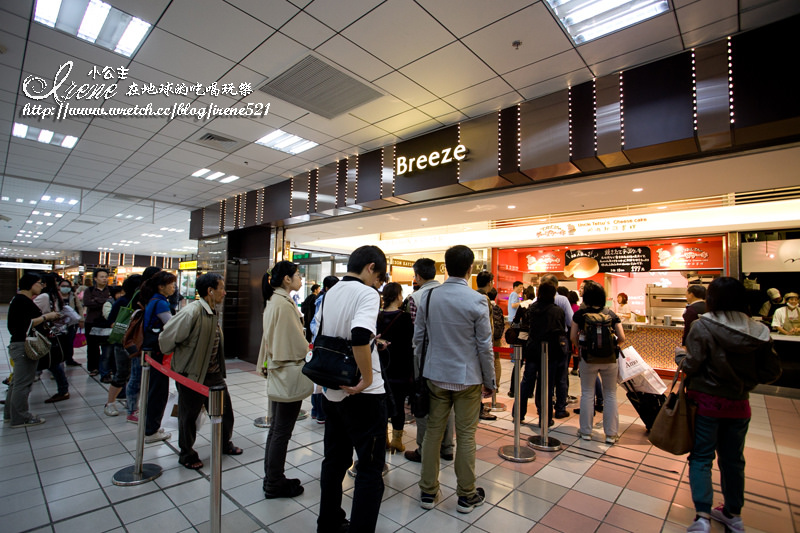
(499, 322)
(597, 340)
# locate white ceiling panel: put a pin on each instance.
(207, 22)
(185, 60)
(437, 108)
(766, 12)
(638, 57)
(711, 32)
(352, 57)
(398, 43)
(380, 109)
(495, 104)
(466, 16)
(550, 68)
(448, 70)
(704, 12)
(338, 126)
(306, 29)
(272, 12)
(261, 154)
(339, 15)
(532, 26)
(272, 57)
(147, 10)
(403, 88)
(483, 91)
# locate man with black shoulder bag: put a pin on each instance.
(355, 415)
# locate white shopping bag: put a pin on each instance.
(630, 364)
(648, 381)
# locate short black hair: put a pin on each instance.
(562, 290)
(516, 284)
(28, 280)
(96, 271)
(483, 278)
(573, 297)
(113, 290)
(329, 282)
(726, 294)
(314, 287)
(458, 260)
(697, 290)
(363, 256)
(492, 294)
(594, 295)
(149, 272)
(425, 268)
(207, 281)
(547, 294)
(131, 284)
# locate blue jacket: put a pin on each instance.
(459, 335)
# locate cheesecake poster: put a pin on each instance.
(627, 259)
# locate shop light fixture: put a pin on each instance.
(95, 21)
(586, 20)
(4, 198)
(512, 207)
(31, 133)
(46, 198)
(423, 219)
(286, 142)
(200, 173)
(19, 200)
(229, 179)
(215, 175)
(638, 189)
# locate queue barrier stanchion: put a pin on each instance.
(216, 395)
(140, 472)
(514, 452)
(544, 442)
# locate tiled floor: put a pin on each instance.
(57, 476)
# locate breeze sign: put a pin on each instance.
(406, 165)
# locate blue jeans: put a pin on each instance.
(134, 384)
(725, 436)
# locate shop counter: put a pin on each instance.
(655, 343)
(788, 349)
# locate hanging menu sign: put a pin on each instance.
(629, 259)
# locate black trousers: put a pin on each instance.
(93, 343)
(190, 404)
(284, 416)
(357, 422)
(157, 396)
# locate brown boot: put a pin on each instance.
(397, 441)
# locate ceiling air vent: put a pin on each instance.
(318, 87)
(218, 141)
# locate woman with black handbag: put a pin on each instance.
(49, 300)
(23, 315)
(282, 355)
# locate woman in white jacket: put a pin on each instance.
(283, 351)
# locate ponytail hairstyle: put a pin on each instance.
(279, 271)
(150, 287)
(390, 293)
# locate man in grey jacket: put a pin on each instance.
(460, 370)
(194, 337)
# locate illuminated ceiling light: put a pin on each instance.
(286, 142)
(424, 219)
(586, 20)
(72, 202)
(93, 20)
(47, 213)
(46, 198)
(35, 213)
(69, 141)
(45, 136)
(200, 173)
(19, 200)
(661, 207)
(59, 215)
(47, 12)
(4, 198)
(20, 130)
(215, 175)
(32, 202)
(59, 200)
(512, 207)
(638, 189)
(139, 218)
(128, 216)
(229, 179)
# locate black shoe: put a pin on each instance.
(467, 504)
(577, 411)
(510, 394)
(413, 456)
(446, 456)
(290, 490)
(72, 363)
(57, 398)
(487, 415)
(106, 379)
(561, 414)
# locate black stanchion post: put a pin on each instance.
(544, 442)
(514, 452)
(139, 473)
(215, 407)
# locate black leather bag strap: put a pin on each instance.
(425, 338)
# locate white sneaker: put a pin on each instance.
(701, 525)
(157, 436)
(110, 409)
(585, 436)
(733, 523)
(611, 439)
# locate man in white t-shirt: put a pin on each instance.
(356, 416)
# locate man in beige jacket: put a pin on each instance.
(195, 338)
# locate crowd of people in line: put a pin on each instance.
(448, 325)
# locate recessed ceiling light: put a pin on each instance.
(20, 130)
(200, 173)
(72, 202)
(585, 20)
(59, 200)
(638, 189)
(229, 179)
(32, 202)
(35, 213)
(47, 213)
(19, 200)
(661, 207)
(69, 141)
(512, 207)
(215, 175)
(45, 136)
(424, 219)
(286, 142)
(46, 197)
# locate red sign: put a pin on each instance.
(544, 260)
(706, 255)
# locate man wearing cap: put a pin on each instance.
(774, 303)
(787, 319)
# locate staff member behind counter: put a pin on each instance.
(787, 319)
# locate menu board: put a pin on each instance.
(628, 259)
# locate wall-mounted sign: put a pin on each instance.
(627, 259)
(700, 256)
(187, 265)
(544, 261)
(406, 165)
(25, 266)
(403, 263)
